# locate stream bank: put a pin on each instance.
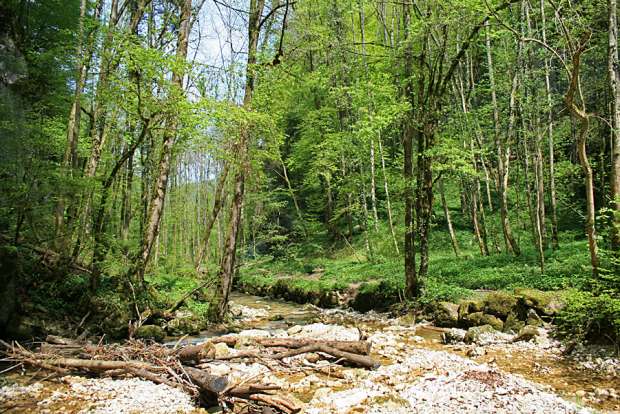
(419, 372)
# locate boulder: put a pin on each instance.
(527, 333)
(544, 303)
(500, 304)
(473, 334)
(221, 350)
(247, 313)
(480, 318)
(453, 336)
(533, 319)
(513, 324)
(183, 325)
(154, 332)
(468, 307)
(445, 314)
(476, 351)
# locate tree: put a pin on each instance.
(614, 84)
(227, 266)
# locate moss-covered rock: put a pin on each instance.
(513, 324)
(453, 336)
(527, 333)
(468, 307)
(154, 332)
(481, 318)
(500, 304)
(444, 314)
(184, 325)
(533, 319)
(544, 303)
(473, 333)
(375, 295)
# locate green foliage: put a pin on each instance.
(591, 317)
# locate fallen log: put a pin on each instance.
(245, 390)
(59, 340)
(202, 351)
(198, 352)
(100, 365)
(157, 366)
(280, 403)
(206, 381)
(355, 347)
(361, 360)
(356, 359)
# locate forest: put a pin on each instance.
(175, 173)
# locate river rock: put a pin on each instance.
(325, 332)
(601, 393)
(154, 332)
(468, 307)
(247, 313)
(513, 324)
(445, 314)
(327, 401)
(533, 319)
(527, 333)
(479, 319)
(453, 336)
(474, 333)
(500, 304)
(544, 303)
(221, 350)
(183, 324)
(476, 351)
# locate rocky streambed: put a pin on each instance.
(424, 369)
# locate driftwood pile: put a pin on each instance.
(188, 367)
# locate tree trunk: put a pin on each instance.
(614, 82)
(218, 202)
(387, 197)
(555, 243)
(373, 185)
(479, 227)
(293, 197)
(100, 244)
(503, 154)
(446, 212)
(412, 288)
(589, 181)
(69, 161)
(159, 194)
(227, 266)
(578, 110)
(126, 203)
(424, 194)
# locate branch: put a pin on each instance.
(529, 39)
(273, 10)
(467, 43)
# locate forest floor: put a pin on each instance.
(347, 271)
(423, 369)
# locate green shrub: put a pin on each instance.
(590, 317)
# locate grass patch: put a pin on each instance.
(381, 282)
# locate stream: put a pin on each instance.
(419, 372)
